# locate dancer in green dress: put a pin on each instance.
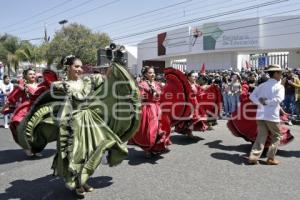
(92, 116)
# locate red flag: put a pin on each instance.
(202, 71)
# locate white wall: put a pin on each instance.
(132, 58)
(241, 61)
(276, 33)
(212, 61)
(294, 59)
(147, 50)
(248, 35)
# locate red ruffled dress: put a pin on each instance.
(198, 115)
(243, 121)
(210, 99)
(153, 135)
(24, 100)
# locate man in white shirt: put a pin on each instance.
(268, 97)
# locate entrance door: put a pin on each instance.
(158, 65)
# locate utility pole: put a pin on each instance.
(46, 37)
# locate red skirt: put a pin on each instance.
(247, 129)
(18, 116)
(151, 137)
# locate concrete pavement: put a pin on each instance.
(213, 167)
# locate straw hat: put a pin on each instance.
(273, 68)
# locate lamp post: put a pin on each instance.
(63, 22)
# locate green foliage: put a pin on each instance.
(12, 51)
(73, 39)
(77, 40)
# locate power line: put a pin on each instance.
(147, 12)
(142, 14)
(36, 15)
(176, 11)
(82, 13)
(227, 23)
(206, 11)
(96, 8)
(235, 28)
(54, 15)
(201, 19)
(258, 37)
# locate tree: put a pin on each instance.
(12, 51)
(77, 40)
(41, 53)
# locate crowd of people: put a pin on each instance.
(231, 82)
(69, 110)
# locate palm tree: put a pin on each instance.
(15, 51)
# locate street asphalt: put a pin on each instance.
(212, 167)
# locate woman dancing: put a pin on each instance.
(20, 100)
(84, 114)
(198, 115)
(151, 137)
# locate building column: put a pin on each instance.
(294, 59)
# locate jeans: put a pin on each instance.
(235, 100)
(226, 103)
(2, 100)
(289, 104)
(297, 108)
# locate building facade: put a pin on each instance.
(236, 44)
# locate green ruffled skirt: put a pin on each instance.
(84, 134)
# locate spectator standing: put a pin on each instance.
(236, 90)
(6, 88)
(293, 82)
(289, 100)
(226, 94)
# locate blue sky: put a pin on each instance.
(26, 18)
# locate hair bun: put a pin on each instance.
(145, 69)
(68, 59)
(25, 72)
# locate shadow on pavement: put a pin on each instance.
(288, 154)
(18, 155)
(48, 187)
(243, 148)
(185, 140)
(138, 157)
(234, 158)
